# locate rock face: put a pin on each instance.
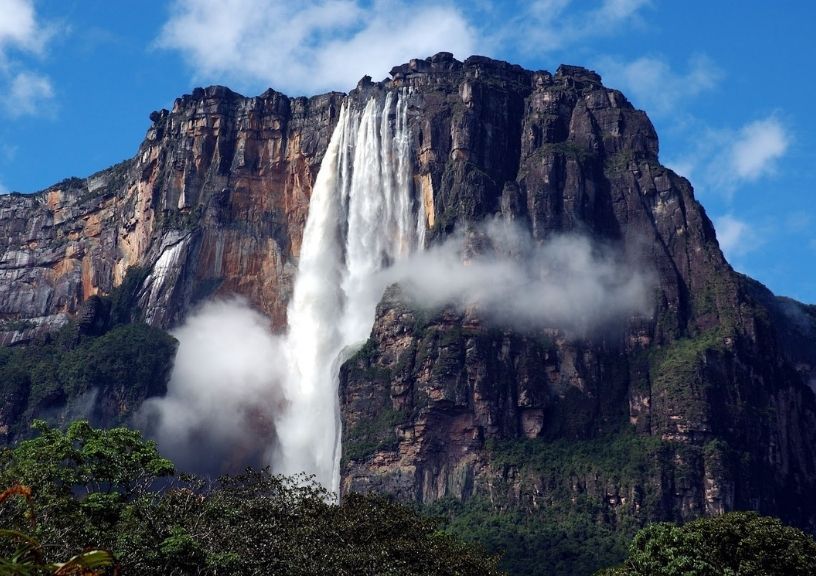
(715, 391)
(214, 202)
(719, 376)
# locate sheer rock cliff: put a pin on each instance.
(713, 392)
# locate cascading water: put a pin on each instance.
(362, 218)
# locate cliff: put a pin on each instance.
(705, 406)
(214, 202)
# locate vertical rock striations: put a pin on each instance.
(214, 202)
(714, 378)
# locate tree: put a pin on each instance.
(81, 479)
(24, 555)
(735, 544)
(111, 489)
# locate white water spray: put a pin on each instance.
(361, 219)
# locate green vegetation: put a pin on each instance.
(677, 365)
(72, 182)
(366, 437)
(570, 150)
(16, 325)
(127, 364)
(100, 488)
(735, 544)
(565, 149)
(376, 431)
(676, 372)
(617, 457)
(180, 218)
(562, 523)
(618, 162)
(124, 362)
(537, 541)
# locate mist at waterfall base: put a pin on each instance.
(218, 413)
(239, 393)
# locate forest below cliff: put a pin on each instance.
(99, 501)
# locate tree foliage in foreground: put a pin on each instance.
(735, 544)
(111, 490)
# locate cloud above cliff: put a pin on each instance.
(723, 159)
(549, 25)
(23, 91)
(757, 148)
(311, 46)
(29, 94)
(321, 45)
(736, 237)
(19, 29)
(567, 282)
(653, 84)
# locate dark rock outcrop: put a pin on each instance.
(719, 375)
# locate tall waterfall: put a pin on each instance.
(362, 217)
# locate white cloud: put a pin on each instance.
(736, 237)
(29, 94)
(19, 28)
(549, 25)
(224, 392)
(721, 160)
(652, 83)
(22, 91)
(310, 46)
(568, 282)
(3, 189)
(759, 145)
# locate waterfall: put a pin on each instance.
(362, 218)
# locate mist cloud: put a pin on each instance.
(310, 46)
(224, 392)
(232, 391)
(567, 282)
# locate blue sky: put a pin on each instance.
(729, 86)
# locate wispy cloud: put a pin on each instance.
(569, 282)
(757, 148)
(318, 45)
(721, 160)
(736, 237)
(29, 94)
(652, 83)
(311, 46)
(23, 91)
(549, 25)
(19, 29)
